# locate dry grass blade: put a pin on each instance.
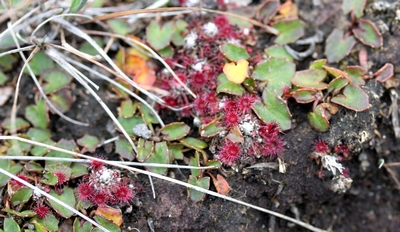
(179, 9)
(298, 222)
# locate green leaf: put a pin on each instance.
(127, 108)
(82, 226)
(318, 64)
(13, 169)
(175, 131)
(62, 100)
(178, 37)
(195, 161)
(7, 61)
(89, 142)
(64, 144)
(120, 26)
(23, 214)
(193, 143)
(55, 79)
(39, 63)
(273, 109)
(129, 123)
(353, 98)
(356, 74)
(3, 78)
(38, 134)
(147, 115)
(304, 96)
(10, 225)
(159, 37)
(159, 156)
(368, 33)
(234, 52)
(278, 51)
(78, 170)
(37, 114)
(18, 148)
(124, 149)
(276, 73)
(211, 129)
(176, 150)
(144, 148)
(87, 48)
(106, 224)
(337, 84)
(49, 179)
(77, 5)
(67, 197)
(289, 31)
(310, 78)
(167, 52)
(33, 167)
(204, 182)
(355, 6)
(318, 119)
(21, 196)
(226, 86)
(50, 222)
(20, 124)
(337, 46)
(41, 151)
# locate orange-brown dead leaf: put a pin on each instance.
(111, 214)
(221, 184)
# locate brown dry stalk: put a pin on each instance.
(170, 9)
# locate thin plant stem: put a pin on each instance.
(88, 161)
(298, 222)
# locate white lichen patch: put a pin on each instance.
(210, 29)
(331, 163)
(190, 40)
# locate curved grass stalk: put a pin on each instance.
(78, 32)
(111, 81)
(33, 76)
(180, 9)
(114, 162)
(56, 56)
(36, 189)
(27, 48)
(152, 52)
(298, 222)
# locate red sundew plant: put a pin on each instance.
(84, 191)
(320, 146)
(273, 146)
(229, 153)
(41, 210)
(231, 119)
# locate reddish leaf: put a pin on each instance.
(386, 72)
(368, 33)
(221, 184)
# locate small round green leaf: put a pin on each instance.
(124, 149)
(368, 33)
(37, 114)
(304, 96)
(120, 26)
(39, 63)
(278, 51)
(193, 143)
(175, 131)
(10, 225)
(159, 37)
(211, 129)
(62, 100)
(289, 31)
(355, 6)
(49, 223)
(68, 197)
(337, 46)
(226, 86)
(20, 124)
(273, 109)
(109, 225)
(276, 72)
(38, 134)
(234, 52)
(21, 196)
(356, 74)
(204, 182)
(55, 79)
(310, 78)
(89, 142)
(318, 120)
(176, 150)
(144, 148)
(178, 37)
(129, 123)
(337, 84)
(65, 144)
(353, 98)
(160, 155)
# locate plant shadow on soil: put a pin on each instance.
(371, 204)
